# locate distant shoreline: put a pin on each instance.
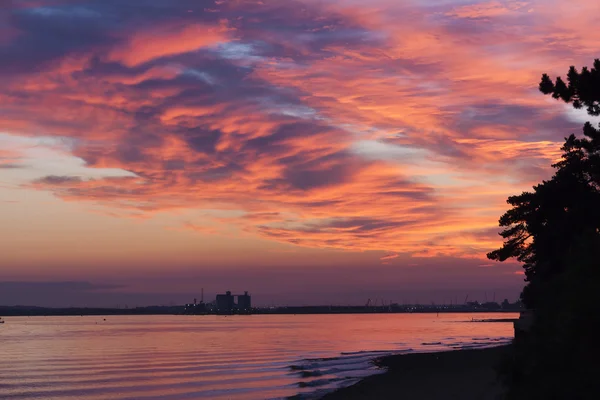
(24, 311)
(459, 374)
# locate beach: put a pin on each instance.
(461, 374)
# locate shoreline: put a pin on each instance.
(33, 311)
(456, 374)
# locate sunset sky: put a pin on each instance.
(308, 151)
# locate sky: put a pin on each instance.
(308, 151)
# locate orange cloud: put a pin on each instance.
(389, 257)
(164, 41)
(490, 9)
(345, 127)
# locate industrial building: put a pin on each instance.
(225, 303)
(244, 303)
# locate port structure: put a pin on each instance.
(226, 304)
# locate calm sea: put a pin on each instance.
(217, 357)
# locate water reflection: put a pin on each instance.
(235, 357)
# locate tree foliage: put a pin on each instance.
(542, 224)
(581, 90)
(554, 231)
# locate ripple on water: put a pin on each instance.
(174, 357)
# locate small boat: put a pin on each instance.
(1, 321)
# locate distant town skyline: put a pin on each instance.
(84, 294)
(308, 151)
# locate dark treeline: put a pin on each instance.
(14, 311)
(395, 308)
(554, 231)
(474, 307)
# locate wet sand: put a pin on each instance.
(462, 374)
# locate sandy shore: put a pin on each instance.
(463, 374)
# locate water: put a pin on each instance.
(217, 357)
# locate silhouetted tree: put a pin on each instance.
(583, 88)
(554, 232)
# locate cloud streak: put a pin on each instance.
(320, 124)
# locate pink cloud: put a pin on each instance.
(490, 9)
(163, 41)
(389, 257)
(338, 127)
